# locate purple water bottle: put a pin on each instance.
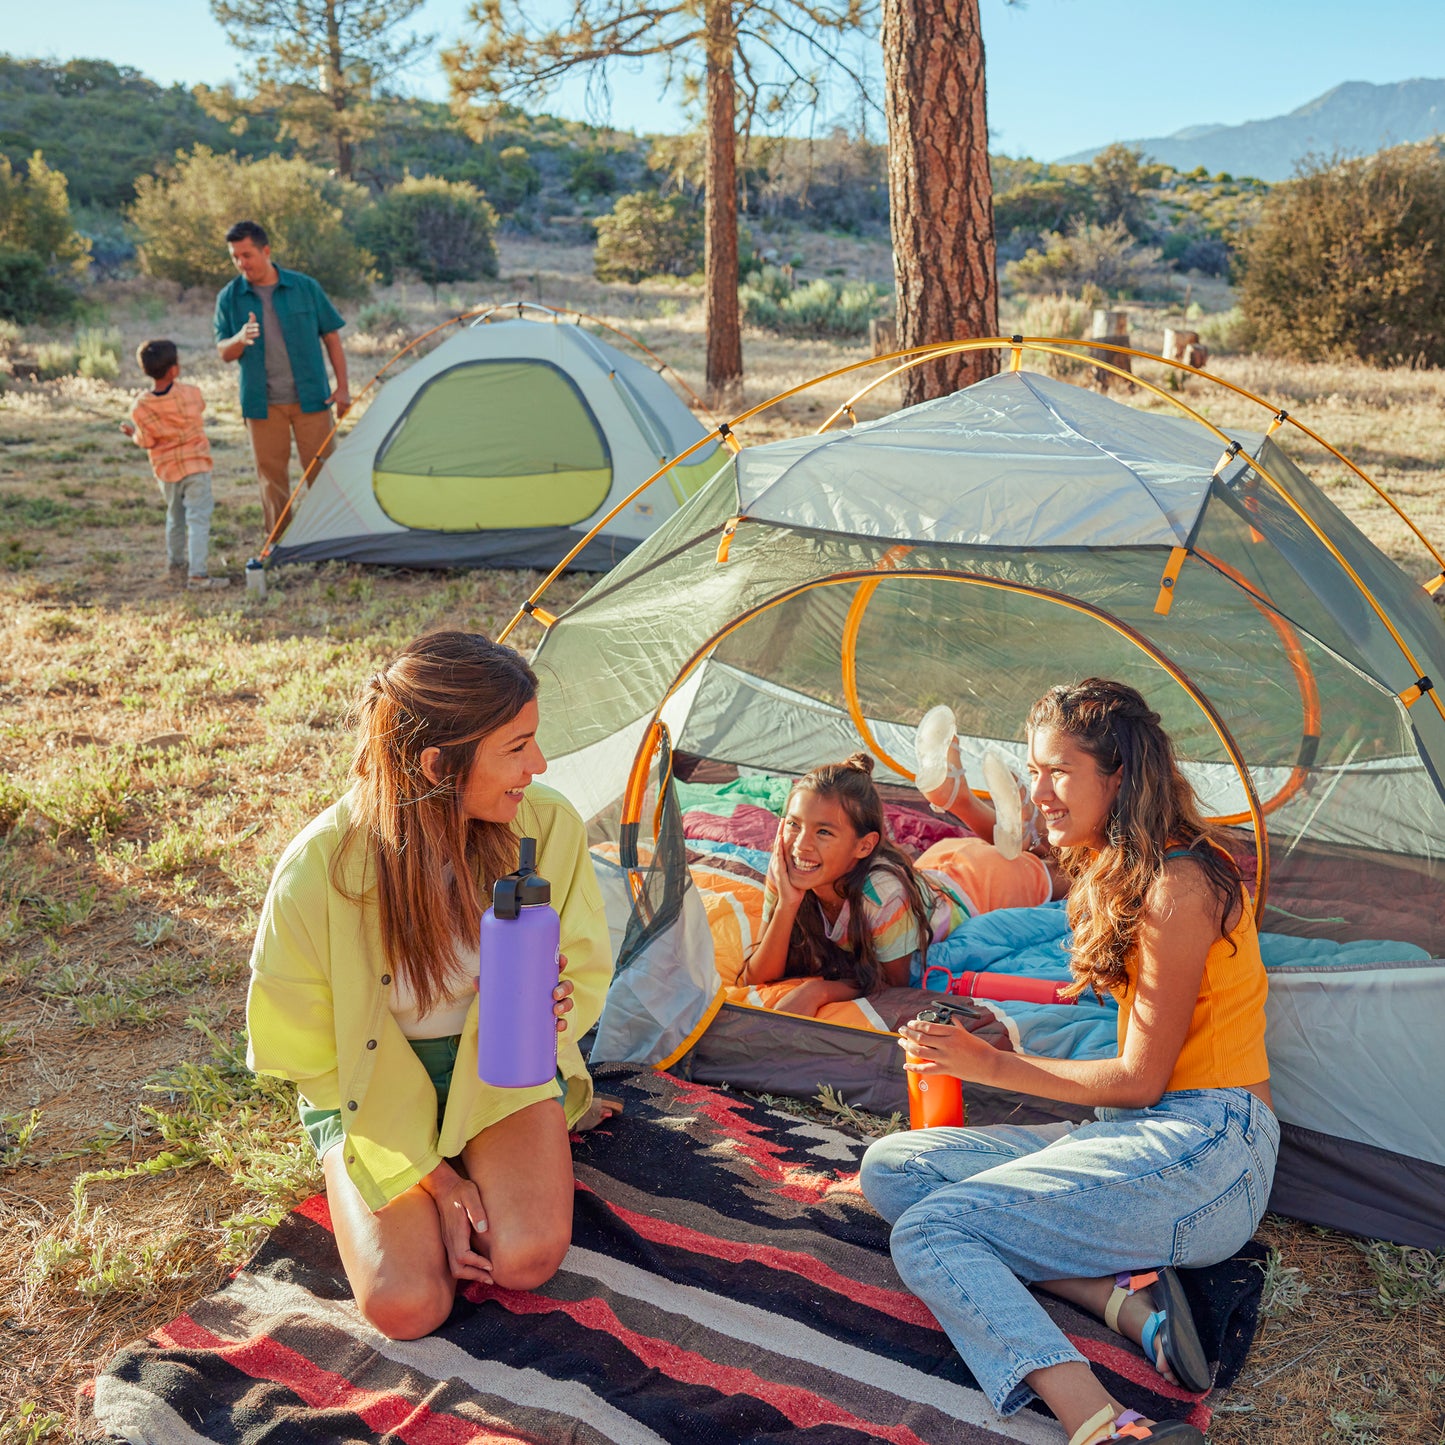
(516, 1028)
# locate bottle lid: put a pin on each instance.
(526, 888)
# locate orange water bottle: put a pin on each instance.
(937, 1099)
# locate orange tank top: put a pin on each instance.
(1224, 1048)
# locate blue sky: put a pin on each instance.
(1062, 74)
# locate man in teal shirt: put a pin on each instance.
(275, 323)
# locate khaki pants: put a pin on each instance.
(271, 447)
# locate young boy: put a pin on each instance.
(166, 421)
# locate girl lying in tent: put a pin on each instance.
(364, 988)
(1176, 1169)
(845, 910)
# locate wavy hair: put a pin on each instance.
(1155, 810)
(429, 868)
(810, 951)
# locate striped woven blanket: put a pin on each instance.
(726, 1283)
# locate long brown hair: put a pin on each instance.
(1155, 810)
(810, 951)
(429, 867)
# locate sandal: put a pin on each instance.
(1169, 1331)
(1129, 1425)
(933, 740)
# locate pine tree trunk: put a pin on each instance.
(939, 189)
(335, 86)
(724, 330)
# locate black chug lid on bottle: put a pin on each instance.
(526, 888)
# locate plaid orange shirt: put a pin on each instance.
(170, 428)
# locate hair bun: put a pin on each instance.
(860, 763)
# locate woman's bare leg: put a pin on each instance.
(394, 1258)
(523, 1169)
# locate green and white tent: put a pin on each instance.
(824, 591)
(503, 446)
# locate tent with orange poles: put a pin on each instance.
(821, 593)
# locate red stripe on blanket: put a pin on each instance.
(804, 1186)
(386, 1413)
(318, 1210)
(901, 1306)
(1138, 1371)
(802, 1407)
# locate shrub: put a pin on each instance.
(648, 236)
(28, 292)
(98, 353)
(592, 174)
(311, 217)
(1087, 254)
(1227, 333)
(35, 217)
(1055, 315)
(821, 308)
(1350, 257)
(55, 359)
(439, 230)
(378, 318)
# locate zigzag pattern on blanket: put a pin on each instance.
(726, 1284)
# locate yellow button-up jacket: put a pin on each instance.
(317, 1011)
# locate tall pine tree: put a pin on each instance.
(939, 188)
(318, 65)
(737, 55)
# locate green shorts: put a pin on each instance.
(438, 1057)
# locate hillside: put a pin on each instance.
(1356, 118)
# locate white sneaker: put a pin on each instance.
(206, 584)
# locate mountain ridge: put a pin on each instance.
(1356, 117)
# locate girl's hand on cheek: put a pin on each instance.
(789, 894)
(946, 1049)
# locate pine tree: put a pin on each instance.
(319, 65)
(940, 191)
(735, 54)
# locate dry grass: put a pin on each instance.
(158, 748)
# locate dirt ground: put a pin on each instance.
(158, 748)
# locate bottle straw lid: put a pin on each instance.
(525, 888)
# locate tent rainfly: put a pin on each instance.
(503, 446)
(975, 550)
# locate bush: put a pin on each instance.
(311, 216)
(820, 309)
(98, 353)
(1227, 333)
(28, 292)
(379, 318)
(35, 217)
(1107, 257)
(1350, 257)
(648, 236)
(1055, 315)
(55, 359)
(439, 230)
(1187, 251)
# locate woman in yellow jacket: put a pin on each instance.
(363, 987)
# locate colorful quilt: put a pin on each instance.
(726, 1285)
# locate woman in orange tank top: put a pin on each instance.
(1177, 1166)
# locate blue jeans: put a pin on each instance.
(188, 522)
(978, 1214)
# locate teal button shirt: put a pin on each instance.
(306, 315)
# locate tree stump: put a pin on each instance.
(1112, 327)
(882, 335)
